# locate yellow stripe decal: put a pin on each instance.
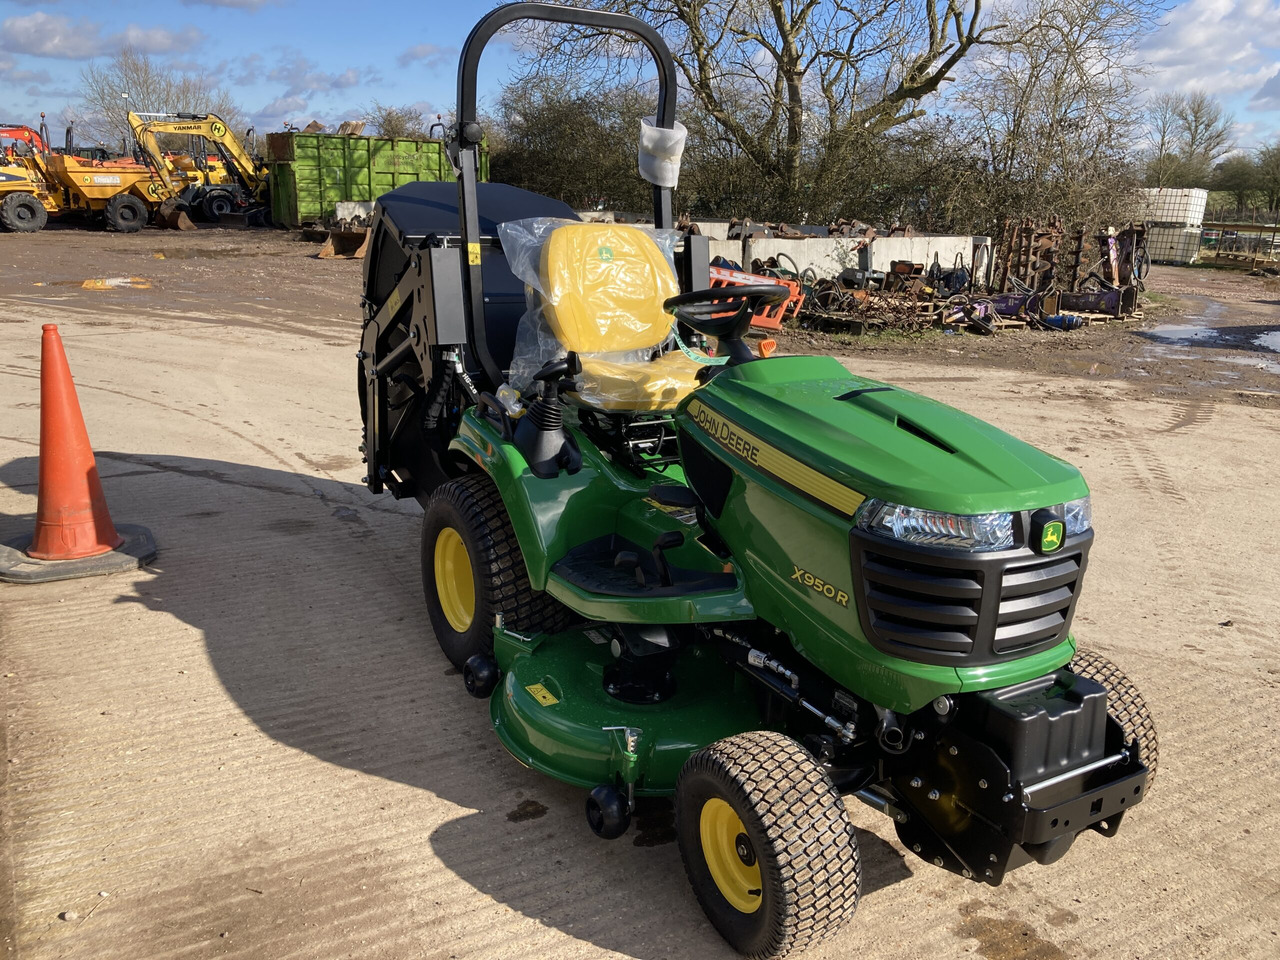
(770, 460)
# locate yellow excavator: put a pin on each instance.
(237, 182)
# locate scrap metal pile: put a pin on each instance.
(1040, 276)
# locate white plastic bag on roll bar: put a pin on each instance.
(660, 152)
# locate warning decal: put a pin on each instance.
(542, 694)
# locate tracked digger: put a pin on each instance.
(236, 184)
(761, 587)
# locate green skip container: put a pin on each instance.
(312, 172)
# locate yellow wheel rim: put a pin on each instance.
(730, 856)
(455, 586)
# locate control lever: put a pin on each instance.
(566, 367)
(665, 541)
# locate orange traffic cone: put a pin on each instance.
(72, 520)
(74, 535)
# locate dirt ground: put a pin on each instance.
(254, 749)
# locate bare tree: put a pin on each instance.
(785, 81)
(1204, 128)
(151, 88)
(1054, 108)
(405, 123)
(1162, 134)
(1188, 135)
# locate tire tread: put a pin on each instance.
(11, 223)
(1124, 702)
(112, 213)
(502, 578)
(814, 858)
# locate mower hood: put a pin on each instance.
(881, 441)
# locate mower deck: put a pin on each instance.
(553, 712)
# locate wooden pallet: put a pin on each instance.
(1000, 323)
(1108, 318)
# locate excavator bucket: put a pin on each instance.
(349, 244)
(172, 216)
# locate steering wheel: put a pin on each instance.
(724, 312)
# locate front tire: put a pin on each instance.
(472, 569)
(23, 213)
(767, 843)
(216, 204)
(1125, 703)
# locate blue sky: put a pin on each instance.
(280, 59)
(298, 61)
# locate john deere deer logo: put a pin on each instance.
(606, 253)
(1051, 536)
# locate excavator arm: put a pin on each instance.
(167, 184)
(252, 174)
(20, 131)
(35, 159)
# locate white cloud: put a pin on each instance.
(282, 108)
(155, 39)
(1268, 95)
(430, 55)
(299, 75)
(9, 72)
(57, 37)
(1218, 46)
(44, 92)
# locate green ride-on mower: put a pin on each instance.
(758, 586)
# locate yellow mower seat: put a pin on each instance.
(604, 285)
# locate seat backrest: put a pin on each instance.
(416, 210)
(604, 284)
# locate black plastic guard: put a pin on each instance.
(1016, 776)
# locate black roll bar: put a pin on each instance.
(468, 134)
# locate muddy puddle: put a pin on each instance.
(100, 283)
(1209, 335)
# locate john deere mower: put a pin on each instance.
(757, 586)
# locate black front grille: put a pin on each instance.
(915, 605)
(956, 608)
(1036, 601)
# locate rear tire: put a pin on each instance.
(1125, 703)
(125, 213)
(23, 213)
(767, 843)
(472, 569)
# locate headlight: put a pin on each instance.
(1077, 516)
(985, 531)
